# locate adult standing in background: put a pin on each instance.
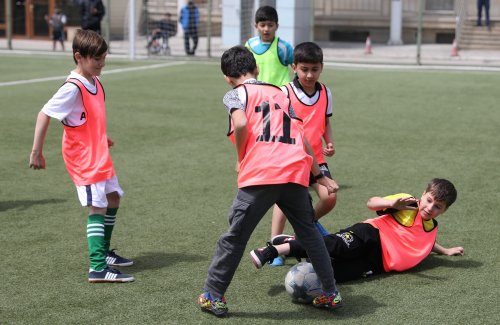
(92, 12)
(190, 19)
(486, 5)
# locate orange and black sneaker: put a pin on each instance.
(331, 300)
(218, 307)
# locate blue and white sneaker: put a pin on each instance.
(113, 259)
(277, 261)
(109, 275)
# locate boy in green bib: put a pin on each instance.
(272, 54)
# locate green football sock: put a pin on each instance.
(109, 223)
(96, 242)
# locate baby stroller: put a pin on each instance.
(158, 44)
(162, 31)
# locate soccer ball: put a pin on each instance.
(302, 283)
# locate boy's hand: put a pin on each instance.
(37, 160)
(329, 183)
(405, 203)
(110, 143)
(455, 251)
(329, 150)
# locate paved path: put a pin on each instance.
(336, 52)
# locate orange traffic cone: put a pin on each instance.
(368, 45)
(454, 48)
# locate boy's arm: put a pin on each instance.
(37, 160)
(239, 119)
(329, 149)
(329, 183)
(289, 54)
(377, 203)
(448, 251)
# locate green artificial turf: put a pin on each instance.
(394, 131)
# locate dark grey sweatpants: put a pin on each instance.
(249, 206)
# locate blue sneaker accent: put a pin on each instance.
(321, 229)
(278, 261)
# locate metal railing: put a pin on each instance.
(461, 11)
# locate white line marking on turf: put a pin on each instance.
(121, 70)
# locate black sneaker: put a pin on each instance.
(281, 239)
(109, 275)
(261, 256)
(113, 259)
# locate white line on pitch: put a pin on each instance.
(121, 70)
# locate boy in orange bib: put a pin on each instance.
(79, 105)
(274, 162)
(400, 238)
(312, 102)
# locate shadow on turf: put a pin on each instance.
(343, 186)
(25, 204)
(431, 262)
(434, 261)
(158, 260)
(354, 307)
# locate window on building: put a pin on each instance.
(439, 5)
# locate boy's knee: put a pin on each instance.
(329, 200)
(113, 199)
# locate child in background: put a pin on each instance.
(401, 237)
(57, 22)
(273, 55)
(274, 161)
(79, 105)
(312, 102)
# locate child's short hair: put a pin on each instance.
(442, 190)
(237, 61)
(307, 52)
(266, 13)
(89, 44)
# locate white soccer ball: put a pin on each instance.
(302, 283)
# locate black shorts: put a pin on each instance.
(324, 170)
(57, 35)
(355, 252)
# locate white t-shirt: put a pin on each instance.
(304, 98)
(237, 98)
(66, 105)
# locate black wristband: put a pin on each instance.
(320, 175)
